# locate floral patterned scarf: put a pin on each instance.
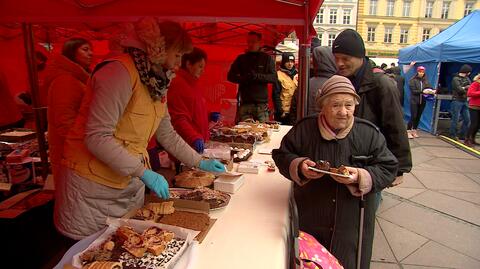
(156, 83)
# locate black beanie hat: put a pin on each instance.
(287, 56)
(349, 42)
(465, 69)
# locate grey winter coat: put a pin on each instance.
(325, 67)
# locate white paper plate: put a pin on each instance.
(328, 172)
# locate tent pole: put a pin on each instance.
(39, 112)
(304, 70)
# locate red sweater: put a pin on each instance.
(474, 94)
(188, 108)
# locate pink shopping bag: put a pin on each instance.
(315, 256)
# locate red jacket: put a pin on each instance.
(188, 108)
(474, 94)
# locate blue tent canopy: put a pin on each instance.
(459, 43)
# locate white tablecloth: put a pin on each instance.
(251, 232)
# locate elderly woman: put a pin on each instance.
(328, 206)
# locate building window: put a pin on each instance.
(390, 7)
(333, 16)
(406, 8)
(429, 9)
(346, 16)
(371, 34)
(319, 18)
(403, 36)
(388, 35)
(320, 35)
(331, 38)
(373, 7)
(445, 8)
(468, 8)
(426, 33)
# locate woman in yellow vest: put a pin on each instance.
(105, 163)
(288, 84)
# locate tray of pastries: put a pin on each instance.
(165, 213)
(132, 244)
(216, 199)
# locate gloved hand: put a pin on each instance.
(198, 145)
(156, 183)
(214, 116)
(212, 166)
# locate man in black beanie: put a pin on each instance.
(378, 97)
(459, 105)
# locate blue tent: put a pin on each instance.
(458, 44)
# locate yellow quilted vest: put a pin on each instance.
(137, 125)
(288, 90)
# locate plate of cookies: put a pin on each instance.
(326, 168)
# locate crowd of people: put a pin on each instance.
(101, 121)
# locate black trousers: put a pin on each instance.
(416, 114)
(474, 123)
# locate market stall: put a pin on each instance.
(442, 56)
(251, 231)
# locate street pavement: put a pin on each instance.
(432, 220)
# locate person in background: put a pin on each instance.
(105, 167)
(253, 70)
(383, 66)
(287, 85)
(324, 68)
(392, 65)
(400, 80)
(10, 116)
(378, 94)
(186, 104)
(328, 206)
(459, 105)
(65, 83)
(474, 108)
(417, 86)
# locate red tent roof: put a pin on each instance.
(96, 14)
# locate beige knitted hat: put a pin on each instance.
(336, 84)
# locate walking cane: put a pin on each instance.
(360, 232)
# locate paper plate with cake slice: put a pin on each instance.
(216, 199)
(325, 167)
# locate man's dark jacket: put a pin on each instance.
(460, 87)
(253, 71)
(379, 105)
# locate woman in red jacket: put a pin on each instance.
(186, 104)
(65, 82)
(474, 108)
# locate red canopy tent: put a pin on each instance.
(217, 26)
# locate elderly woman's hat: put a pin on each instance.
(334, 85)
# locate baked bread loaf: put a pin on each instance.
(194, 179)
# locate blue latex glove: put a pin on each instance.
(156, 183)
(212, 166)
(198, 145)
